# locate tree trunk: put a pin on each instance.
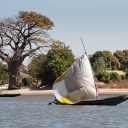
(14, 75)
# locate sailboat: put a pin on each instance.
(77, 86)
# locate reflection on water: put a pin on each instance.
(33, 112)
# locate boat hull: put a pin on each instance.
(107, 101)
(9, 95)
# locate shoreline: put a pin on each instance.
(29, 92)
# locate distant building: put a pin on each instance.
(119, 72)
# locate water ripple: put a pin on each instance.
(26, 112)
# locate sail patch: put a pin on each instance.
(78, 95)
(60, 90)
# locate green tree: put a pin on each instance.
(125, 52)
(57, 62)
(3, 73)
(99, 65)
(96, 56)
(35, 67)
(110, 61)
(124, 64)
(21, 36)
(119, 55)
(123, 58)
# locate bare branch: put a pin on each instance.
(9, 36)
(30, 44)
(4, 56)
(30, 52)
(11, 45)
(1, 45)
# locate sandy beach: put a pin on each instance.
(31, 92)
(28, 92)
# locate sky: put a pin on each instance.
(102, 24)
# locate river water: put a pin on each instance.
(33, 112)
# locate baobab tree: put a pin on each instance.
(21, 36)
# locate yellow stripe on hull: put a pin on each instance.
(66, 99)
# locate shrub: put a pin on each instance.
(24, 80)
(126, 75)
(4, 82)
(27, 81)
(103, 76)
(114, 76)
(123, 77)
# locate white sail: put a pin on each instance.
(76, 84)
